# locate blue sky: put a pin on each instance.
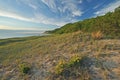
(50, 14)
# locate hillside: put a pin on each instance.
(108, 24)
(72, 56)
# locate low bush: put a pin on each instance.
(74, 61)
(62, 65)
(97, 35)
(24, 68)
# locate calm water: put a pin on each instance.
(19, 33)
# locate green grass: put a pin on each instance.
(45, 52)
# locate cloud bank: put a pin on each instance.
(54, 12)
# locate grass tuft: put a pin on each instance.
(97, 35)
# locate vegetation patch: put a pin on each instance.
(97, 35)
(24, 68)
(62, 65)
(109, 24)
(71, 69)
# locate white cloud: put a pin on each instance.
(16, 28)
(109, 8)
(77, 13)
(33, 6)
(31, 3)
(72, 6)
(38, 18)
(12, 15)
(67, 8)
(51, 4)
(64, 6)
(98, 5)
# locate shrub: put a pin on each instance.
(97, 35)
(74, 69)
(74, 61)
(63, 66)
(60, 67)
(24, 68)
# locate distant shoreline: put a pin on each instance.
(6, 34)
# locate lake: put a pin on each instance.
(19, 33)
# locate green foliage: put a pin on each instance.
(63, 66)
(24, 68)
(74, 61)
(60, 67)
(109, 24)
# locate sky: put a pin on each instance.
(50, 14)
